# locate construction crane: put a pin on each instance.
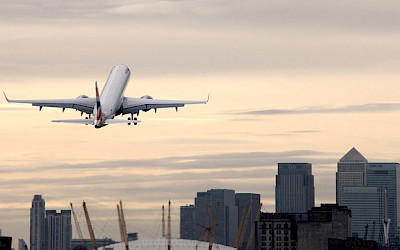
(243, 232)
(253, 229)
(213, 227)
(78, 228)
(90, 228)
(366, 232)
(386, 219)
(169, 225)
(240, 226)
(205, 235)
(122, 225)
(373, 231)
(163, 223)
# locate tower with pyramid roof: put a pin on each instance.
(350, 172)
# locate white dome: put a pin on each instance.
(162, 244)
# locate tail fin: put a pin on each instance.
(98, 106)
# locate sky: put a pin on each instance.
(290, 81)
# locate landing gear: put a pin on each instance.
(134, 121)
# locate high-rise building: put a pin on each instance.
(350, 172)
(227, 216)
(37, 227)
(387, 175)
(294, 190)
(200, 215)
(242, 201)
(187, 225)
(367, 209)
(58, 229)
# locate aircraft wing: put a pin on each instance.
(134, 105)
(91, 122)
(82, 104)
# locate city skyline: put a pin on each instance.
(290, 81)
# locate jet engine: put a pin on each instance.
(146, 97)
(82, 96)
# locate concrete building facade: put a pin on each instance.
(227, 215)
(58, 229)
(388, 175)
(350, 172)
(294, 190)
(277, 231)
(37, 224)
(327, 221)
(187, 222)
(367, 207)
(242, 201)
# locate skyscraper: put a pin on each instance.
(37, 228)
(242, 201)
(387, 175)
(227, 216)
(367, 207)
(294, 190)
(58, 229)
(350, 172)
(187, 225)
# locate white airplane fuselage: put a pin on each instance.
(112, 95)
(110, 103)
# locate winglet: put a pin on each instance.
(6, 96)
(208, 98)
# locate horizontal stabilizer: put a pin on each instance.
(80, 121)
(119, 121)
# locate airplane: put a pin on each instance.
(103, 108)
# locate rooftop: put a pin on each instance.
(353, 156)
(163, 244)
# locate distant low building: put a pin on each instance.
(327, 221)
(352, 244)
(132, 236)
(76, 244)
(5, 243)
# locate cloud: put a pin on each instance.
(362, 108)
(199, 37)
(143, 185)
